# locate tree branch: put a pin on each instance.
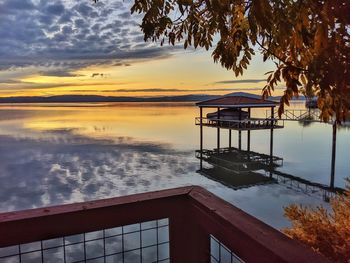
(279, 58)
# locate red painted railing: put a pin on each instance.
(194, 215)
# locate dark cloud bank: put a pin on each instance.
(68, 35)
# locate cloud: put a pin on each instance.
(16, 5)
(166, 90)
(56, 9)
(239, 81)
(14, 85)
(70, 35)
(102, 75)
(59, 73)
(160, 90)
(10, 81)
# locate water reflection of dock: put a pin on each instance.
(235, 181)
(240, 161)
(241, 169)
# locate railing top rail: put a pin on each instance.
(240, 121)
(90, 205)
(44, 223)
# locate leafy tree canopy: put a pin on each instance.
(307, 39)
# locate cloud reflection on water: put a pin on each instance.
(38, 172)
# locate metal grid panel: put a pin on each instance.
(220, 253)
(145, 242)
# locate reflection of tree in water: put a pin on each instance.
(344, 126)
(306, 121)
(38, 172)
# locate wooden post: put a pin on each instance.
(239, 130)
(248, 133)
(229, 139)
(201, 137)
(271, 140)
(189, 242)
(271, 132)
(218, 131)
(334, 148)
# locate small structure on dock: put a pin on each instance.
(234, 112)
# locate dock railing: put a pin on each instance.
(305, 115)
(246, 124)
(189, 224)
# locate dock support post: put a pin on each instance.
(218, 131)
(271, 133)
(334, 148)
(229, 139)
(248, 133)
(201, 137)
(239, 130)
(240, 140)
(271, 140)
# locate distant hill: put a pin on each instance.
(96, 98)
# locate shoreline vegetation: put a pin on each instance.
(325, 230)
(97, 98)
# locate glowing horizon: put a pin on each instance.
(70, 50)
(180, 74)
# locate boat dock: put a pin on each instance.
(234, 113)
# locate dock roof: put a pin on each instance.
(238, 100)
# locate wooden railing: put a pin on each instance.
(246, 124)
(198, 221)
(297, 115)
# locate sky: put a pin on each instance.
(66, 47)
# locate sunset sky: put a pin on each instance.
(56, 47)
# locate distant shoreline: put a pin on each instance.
(96, 98)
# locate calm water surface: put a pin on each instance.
(54, 154)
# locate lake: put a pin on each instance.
(63, 153)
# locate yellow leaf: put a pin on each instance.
(303, 79)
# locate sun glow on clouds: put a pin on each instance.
(89, 49)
